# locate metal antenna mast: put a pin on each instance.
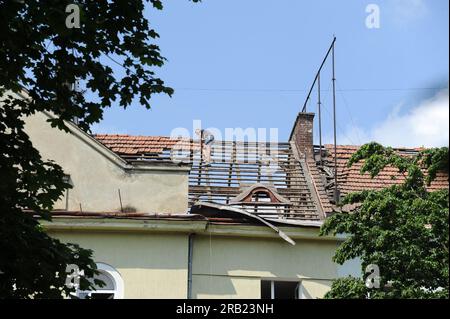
(336, 191)
(317, 74)
(317, 80)
(320, 119)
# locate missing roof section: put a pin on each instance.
(231, 168)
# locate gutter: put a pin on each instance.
(293, 229)
(189, 268)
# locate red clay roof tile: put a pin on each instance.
(350, 178)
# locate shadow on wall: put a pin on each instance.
(213, 286)
(264, 257)
(222, 266)
(133, 250)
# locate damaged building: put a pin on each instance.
(243, 224)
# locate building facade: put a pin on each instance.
(165, 228)
(163, 222)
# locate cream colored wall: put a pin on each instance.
(312, 289)
(225, 287)
(153, 262)
(97, 178)
(235, 287)
(232, 267)
(152, 265)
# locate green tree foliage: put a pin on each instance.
(403, 229)
(40, 53)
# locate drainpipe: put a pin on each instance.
(189, 270)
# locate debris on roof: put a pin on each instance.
(268, 179)
(237, 167)
(233, 168)
(215, 210)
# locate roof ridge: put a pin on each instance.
(165, 137)
(128, 135)
(399, 148)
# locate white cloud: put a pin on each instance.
(427, 125)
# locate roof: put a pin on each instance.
(234, 167)
(237, 166)
(350, 178)
(128, 145)
(305, 185)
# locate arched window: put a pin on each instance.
(113, 288)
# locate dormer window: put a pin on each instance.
(260, 193)
(261, 196)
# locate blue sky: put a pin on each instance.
(250, 63)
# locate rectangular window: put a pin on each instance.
(271, 289)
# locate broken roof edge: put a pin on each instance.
(311, 183)
(324, 202)
(199, 225)
(198, 206)
(168, 216)
(290, 222)
(114, 214)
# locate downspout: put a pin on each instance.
(189, 270)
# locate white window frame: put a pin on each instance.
(116, 279)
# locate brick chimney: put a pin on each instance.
(302, 134)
